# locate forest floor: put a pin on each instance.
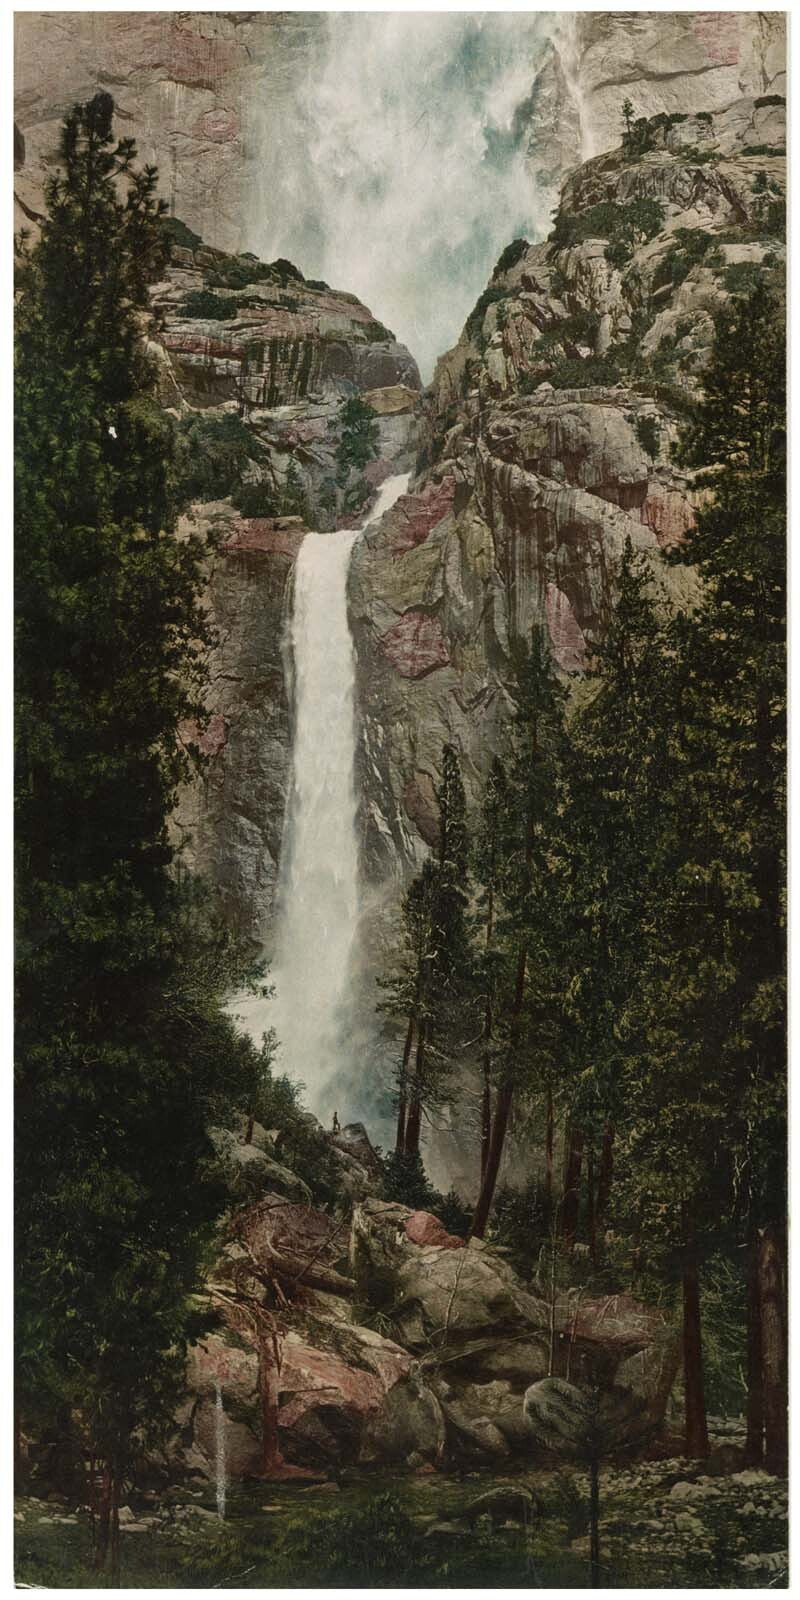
(663, 1525)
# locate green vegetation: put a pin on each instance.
(763, 150)
(690, 248)
(359, 440)
(624, 226)
(123, 1052)
(202, 303)
(212, 454)
(490, 296)
(648, 433)
(770, 100)
(743, 277)
(178, 233)
(509, 257)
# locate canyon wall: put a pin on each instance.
(545, 438)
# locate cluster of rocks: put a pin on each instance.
(407, 1346)
(666, 1510)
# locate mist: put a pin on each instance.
(393, 167)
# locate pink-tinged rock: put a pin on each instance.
(376, 472)
(569, 645)
(415, 645)
(669, 515)
(718, 34)
(220, 126)
(421, 806)
(199, 344)
(423, 1228)
(269, 535)
(213, 739)
(311, 1377)
(414, 516)
(305, 431)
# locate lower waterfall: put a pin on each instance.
(318, 893)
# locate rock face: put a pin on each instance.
(183, 81)
(670, 61)
(483, 1338)
(469, 1339)
(280, 369)
(551, 427)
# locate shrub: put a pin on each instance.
(201, 303)
(574, 373)
(237, 272)
(648, 433)
(522, 1223)
(212, 455)
(286, 269)
(406, 1182)
(178, 233)
(690, 248)
(474, 322)
(742, 278)
(764, 150)
(376, 333)
(255, 499)
(359, 440)
(770, 100)
(510, 256)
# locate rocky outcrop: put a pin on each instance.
(463, 1339)
(670, 61)
(551, 429)
(280, 370)
(482, 1337)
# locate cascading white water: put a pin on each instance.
(318, 899)
(220, 1465)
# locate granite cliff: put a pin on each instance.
(544, 439)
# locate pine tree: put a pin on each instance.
(121, 1060)
(733, 659)
(527, 1012)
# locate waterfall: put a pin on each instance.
(220, 1472)
(318, 893)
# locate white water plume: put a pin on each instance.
(220, 1463)
(393, 164)
(318, 896)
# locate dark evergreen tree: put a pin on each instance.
(527, 1010)
(121, 1061)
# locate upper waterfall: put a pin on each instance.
(318, 896)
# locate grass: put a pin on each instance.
(379, 1531)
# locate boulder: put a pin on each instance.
(249, 1170)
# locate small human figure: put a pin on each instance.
(336, 1128)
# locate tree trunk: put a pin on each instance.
(499, 1125)
(573, 1161)
(754, 1446)
(401, 1109)
(501, 1111)
(772, 1292)
(486, 1117)
(103, 1526)
(594, 1521)
(248, 1138)
(696, 1442)
(606, 1174)
(549, 1132)
(414, 1117)
(488, 1025)
(271, 1458)
(591, 1213)
(115, 1550)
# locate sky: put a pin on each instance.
(394, 169)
